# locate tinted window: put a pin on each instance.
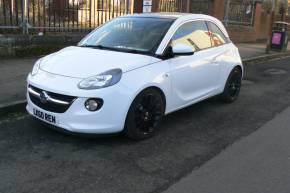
(194, 34)
(129, 34)
(218, 37)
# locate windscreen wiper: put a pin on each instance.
(114, 49)
(93, 46)
(133, 51)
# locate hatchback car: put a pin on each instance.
(130, 72)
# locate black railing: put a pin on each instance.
(60, 15)
(10, 13)
(201, 6)
(239, 12)
(193, 6)
(169, 6)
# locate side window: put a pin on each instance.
(194, 34)
(218, 37)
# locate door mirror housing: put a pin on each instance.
(182, 50)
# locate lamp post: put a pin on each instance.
(272, 17)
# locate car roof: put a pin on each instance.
(181, 17)
(173, 15)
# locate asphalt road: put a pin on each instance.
(34, 158)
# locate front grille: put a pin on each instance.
(50, 101)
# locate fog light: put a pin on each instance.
(93, 104)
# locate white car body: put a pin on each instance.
(183, 80)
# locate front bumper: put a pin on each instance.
(109, 119)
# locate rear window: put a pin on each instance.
(218, 37)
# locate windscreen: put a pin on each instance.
(129, 34)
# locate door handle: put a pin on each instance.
(215, 59)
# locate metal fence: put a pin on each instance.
(200, 6)
(169, 6)
(193, 6)
(10, 13)
(239, 12)
(59, 15)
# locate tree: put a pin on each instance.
(281, 7)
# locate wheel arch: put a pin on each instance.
(162, 93)
(162, 89)
(240, 68)
(227, 74)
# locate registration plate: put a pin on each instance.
(45, 116)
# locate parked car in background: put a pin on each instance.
(130, 72)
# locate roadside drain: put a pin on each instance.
(275, 71)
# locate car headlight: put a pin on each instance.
(36, 67)
(103, 80)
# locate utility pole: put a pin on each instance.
(272, 18)
(226, 18)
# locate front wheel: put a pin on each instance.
(145, 115)
(233, 86)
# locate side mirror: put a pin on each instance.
(182, 50)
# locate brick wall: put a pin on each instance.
(239, 34)
(257, 32)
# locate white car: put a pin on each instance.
(130, 72)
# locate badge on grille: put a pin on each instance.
(43, 97)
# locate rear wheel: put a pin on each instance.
(145, 115)
(233, 86)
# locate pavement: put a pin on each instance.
(13, 79)
(257, 163)
(248, 50)
(238, 147)
(14, 72)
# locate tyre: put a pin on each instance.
(144, 115)
(232, 87)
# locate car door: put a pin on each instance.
(193, 77)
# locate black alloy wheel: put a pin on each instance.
(145, 115)
(233, 86)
